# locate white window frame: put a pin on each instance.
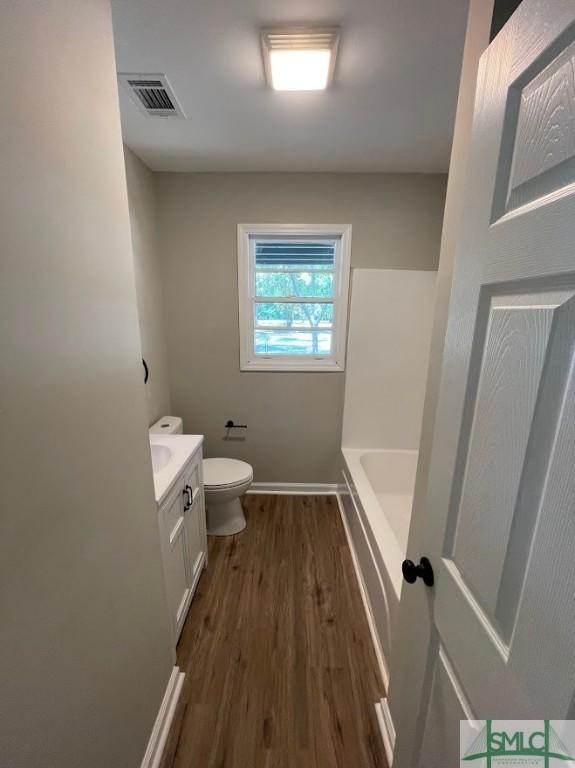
(249, 360)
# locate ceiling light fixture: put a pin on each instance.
(299, 58)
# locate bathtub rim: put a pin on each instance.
(385, 541)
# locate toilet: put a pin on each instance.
(225, 480)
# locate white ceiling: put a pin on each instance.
(391, 107)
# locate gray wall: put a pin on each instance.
(294, 418)
(84, 641)
(142, 202)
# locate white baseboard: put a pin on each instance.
(382, 664)
(295, 489)
(387, 729)
(161, 729)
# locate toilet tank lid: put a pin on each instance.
(167, 425)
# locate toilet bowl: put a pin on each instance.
(225, 480)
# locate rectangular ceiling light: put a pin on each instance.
(300, 58)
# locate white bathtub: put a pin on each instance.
(377, 496)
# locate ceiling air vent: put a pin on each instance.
(152, 93)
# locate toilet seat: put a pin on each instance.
(225, 473)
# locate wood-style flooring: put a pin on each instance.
(280, 669)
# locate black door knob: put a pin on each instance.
(412, 572)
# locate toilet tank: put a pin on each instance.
(167, 425)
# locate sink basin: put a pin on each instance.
(170, 454)
(161, 456)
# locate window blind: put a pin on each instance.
(319, 255)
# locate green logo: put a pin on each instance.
(539, 744)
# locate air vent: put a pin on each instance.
(152, 93)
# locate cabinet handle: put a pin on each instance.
(190, 493)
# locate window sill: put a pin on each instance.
(319, 366)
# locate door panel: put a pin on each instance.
(539, 144)
(440, 745)
(176, 579)
(512, 364)
(492, 516)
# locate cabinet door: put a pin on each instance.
(193, 540)
(195, 522)
(175, 560)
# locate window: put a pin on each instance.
(293, 290)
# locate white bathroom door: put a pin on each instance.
(500, 526)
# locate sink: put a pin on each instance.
(170, 454)
(161, 456)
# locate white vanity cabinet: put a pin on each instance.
(182, 523)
